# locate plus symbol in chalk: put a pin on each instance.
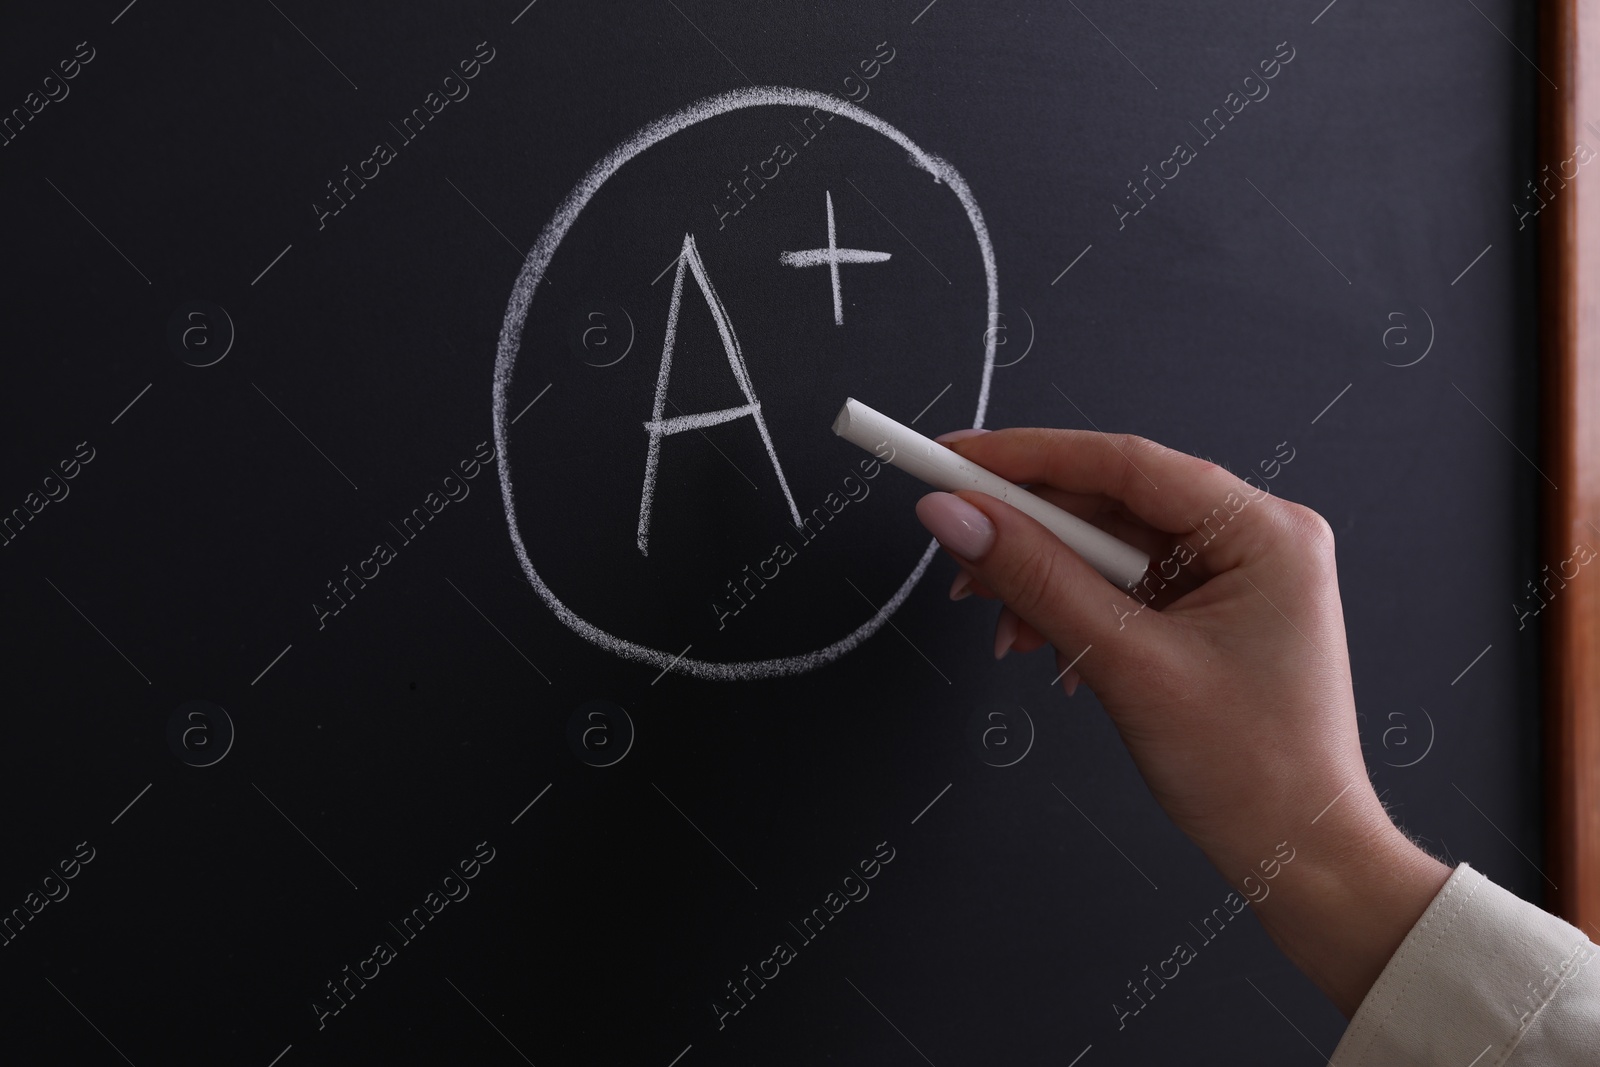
(833, 255)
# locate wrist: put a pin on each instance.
(1341, 908)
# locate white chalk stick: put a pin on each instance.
(940, 467)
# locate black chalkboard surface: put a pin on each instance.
(442, 627)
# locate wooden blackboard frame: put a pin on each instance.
(1569, 266)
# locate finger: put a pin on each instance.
(1172, 576)
(1041, 580)
(961, 588)
(1028, 638)
(1087, 506)
(1068, 678)
(966, 582)
(1091, 507)
(1182, 571)
(1170, 490)
(1115, 519)
(974, 585)
(1012, 634)
(1005, 632)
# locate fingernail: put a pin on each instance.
(1005, 633)
(957, 435)
(961, 588)
(1071, 682)
(959, 526)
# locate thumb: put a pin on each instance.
(1046, 583)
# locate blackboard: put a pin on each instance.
(317, 756)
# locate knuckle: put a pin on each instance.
(1129, 442)
(1309, 530)
(1032, 579)
(1141, 448)
(1139, 454)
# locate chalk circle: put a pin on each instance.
(1032, 335)
(600, 733)
(998, 735)
(200, 733)
(533, 270)
(200, 333)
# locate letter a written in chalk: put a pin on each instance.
(658, 427)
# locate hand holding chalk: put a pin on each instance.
(1225, 672)
(1120, 563)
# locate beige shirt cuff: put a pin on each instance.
(1484, 979)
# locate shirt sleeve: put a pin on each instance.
(1484, 979)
